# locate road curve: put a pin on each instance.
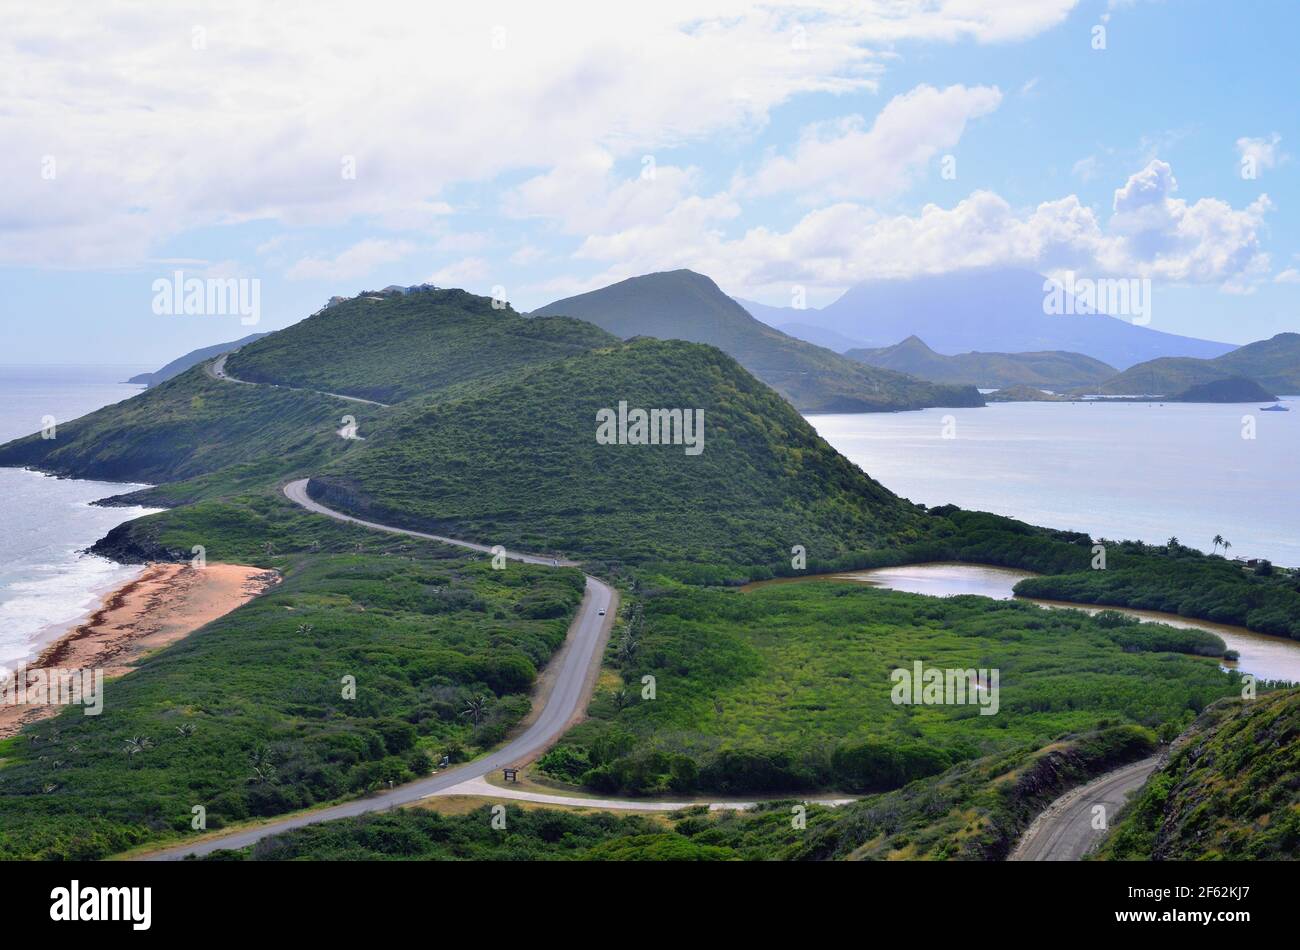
(1064, 831)
(482, 788)
(575, 667)
(217, 370)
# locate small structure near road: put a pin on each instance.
(510, 775)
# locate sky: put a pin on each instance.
(534, 151)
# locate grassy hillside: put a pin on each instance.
(247, 716)
(519, 464)
(787, 688)
(194, 425)
(1231, 791)
(973, 811)
(1058, 371)
(403, 345)
(1273, 363)
(977, 810)
(1179, 580)
(683, 305)
(192, 358)
(1233, 389)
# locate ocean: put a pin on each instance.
(1143, 471)
(47, 582)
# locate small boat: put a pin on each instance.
(1276, 407)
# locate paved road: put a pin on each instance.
(1065, 832)
(217, 370)
(569, 679)
(484, 789)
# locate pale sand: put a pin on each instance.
(164, 604)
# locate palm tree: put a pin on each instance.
(135, 745)
(621, 700)
(186, 730)
(627, 650)
(1226, 546)
(263, 774)
(1218, 539)
(476, 708)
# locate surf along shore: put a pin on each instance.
(164, 604)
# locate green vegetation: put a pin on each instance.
(1235, 389)
(518, 464)
(1023, 394)
(683, 305)
(420, 344)
(1273, 364)
(195, 425)
(1179, 580)
(783, 689)
(529, 835)
(247, 717)
(787, 688)
(192, 358)
(1229, 792)
(977, 810)
(974, 811)
(1056, 370)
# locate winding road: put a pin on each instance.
(217, 370)
(1064, 830)
(567, 685)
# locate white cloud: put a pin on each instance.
(1151, 234)
(470, 270)
(845, 159)
(1263, 154)
(584, 196)
(527, 254)
(1086, 169)
(1288, 276)
(356, 261)
(153, 137)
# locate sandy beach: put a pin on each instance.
(164, 604)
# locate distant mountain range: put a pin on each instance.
(993, 309)
(192, 358)
(1274, 364)
(684, 305)
(1058, 371)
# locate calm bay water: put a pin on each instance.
(46, 582)
(1116, 470)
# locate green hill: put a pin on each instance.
(392, 346)
(1053, 369)
(1273, 363)
(684, 305)
(1228, 792)
(1023, 394)
(192, 425)
(1235, 389)
(192, 358)
(388, 348)
(519, 464)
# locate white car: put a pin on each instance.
(601, 611)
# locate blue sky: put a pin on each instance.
(783, 148)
